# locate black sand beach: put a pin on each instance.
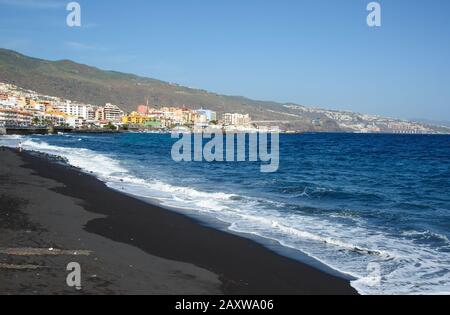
(124, 245)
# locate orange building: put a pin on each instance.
(143, 109)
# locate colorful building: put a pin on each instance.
(143, 109)
(100, 114)
(136, 118)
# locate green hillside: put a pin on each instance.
(87, 84)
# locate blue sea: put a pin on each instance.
(375, 208)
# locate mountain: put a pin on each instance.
(82, 83)
(87, 84)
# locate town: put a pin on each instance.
(24, 110)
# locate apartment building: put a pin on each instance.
(8, 101)
(236, 119)
(14, 117)
(210, 115)
(112, 112)
(136, 118)
(75, 110)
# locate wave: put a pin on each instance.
(406, 265)
(428, 235)
(84, 159)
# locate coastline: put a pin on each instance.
(142, 248)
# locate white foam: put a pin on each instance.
(84, 159)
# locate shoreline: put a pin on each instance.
(239, 265)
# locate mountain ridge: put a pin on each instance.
(83, 83)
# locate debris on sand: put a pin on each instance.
(20, 267)
(43, 252)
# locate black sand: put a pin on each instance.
(136, 248)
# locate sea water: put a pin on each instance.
(358, 204)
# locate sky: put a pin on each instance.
(318, 53)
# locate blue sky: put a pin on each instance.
(313, 52)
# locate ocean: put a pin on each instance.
(375, 208)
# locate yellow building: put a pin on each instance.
(136, 119)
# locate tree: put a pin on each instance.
(110, 126)
(36, 121)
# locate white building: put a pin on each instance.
(236, 119)
(112, 112)
(210, 115)
(201, 120)
(74, 122)
(11, 102)
(12, 117)
(76, 110)
(49, 119)
(36, 107)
